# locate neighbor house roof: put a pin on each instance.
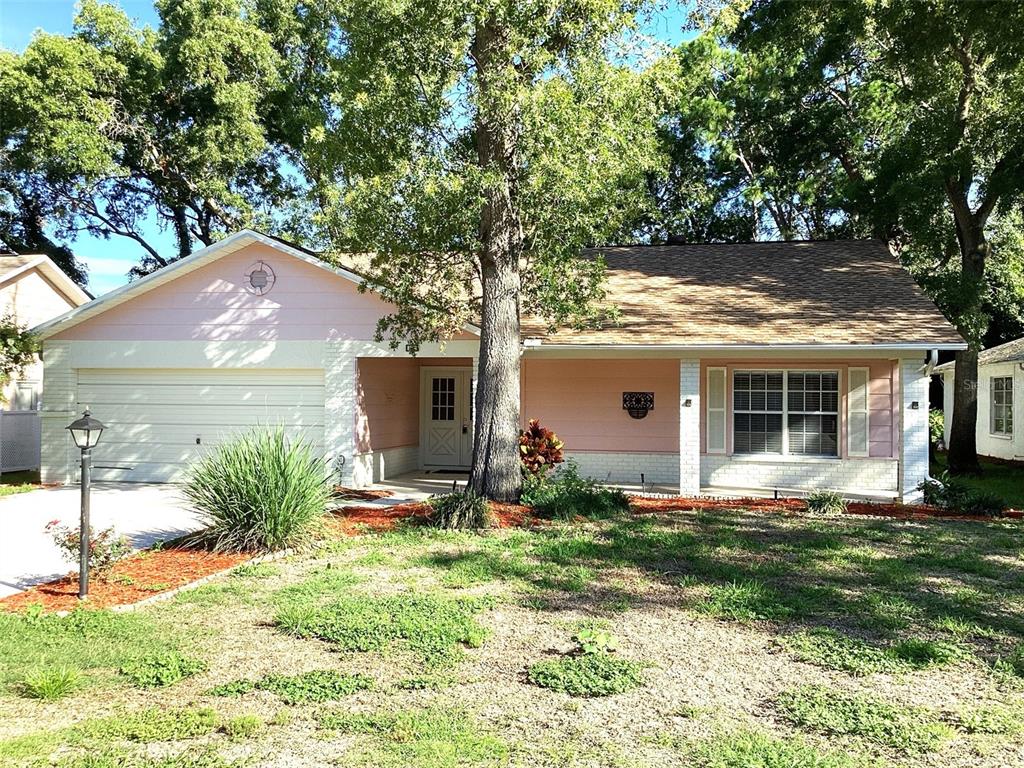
(851, 292)
(13, 266)
(1010, 352)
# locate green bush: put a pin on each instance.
(565, 495)
(455, 511)
(50, 682)
(161, 669)
(953, 494)
(259, 492)
(826, 503)
(936, 426)
(592, 674)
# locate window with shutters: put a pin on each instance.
(786, 412)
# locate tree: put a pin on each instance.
(474, 148)
(116, 125)
(933, 115)
(17, 349)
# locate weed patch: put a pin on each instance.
(435, 628)
(751, 749)
(832, 650)
(909, 729)
(426, 738)
(316, 686)
(50, 682)
(592, 674)
(744, 601)
(161, 669)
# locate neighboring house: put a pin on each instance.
(1000, 390)
(32, 290)
(763, 366)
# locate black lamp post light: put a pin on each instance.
(86, 433)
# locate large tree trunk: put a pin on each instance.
(495, 472)
(963, 445)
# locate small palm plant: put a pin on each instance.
(259, 492)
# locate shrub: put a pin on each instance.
(955, 495)
(455, 511)
(539, 449)
(826, 503)
(591, 674)
(936, 426)
(161, 669)
(565, 495)
(105, 547)
(259, 492)
(51, 682)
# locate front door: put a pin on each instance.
(446, 435)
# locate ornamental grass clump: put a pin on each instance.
(457, 511)
(826, 503)
(259, 492)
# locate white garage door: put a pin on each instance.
(159, 421)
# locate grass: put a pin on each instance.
(18, 482)
(426, 738)
(894, 611)
(835, 713)
(51, 682)
(1003, 480)
(86, 639)
(830, 649)
(753, 749)
(591, 674)
(433, 627)
(315, 686)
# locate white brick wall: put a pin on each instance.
(59, 457)
(339, 364)
(689, 427)
(914, 445)
(625, 468)
(373, 467)
(874, 476)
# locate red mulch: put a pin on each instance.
(350, 521)
(150, 573)
(356, 494)
(900, 511)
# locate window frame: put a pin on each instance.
(785, 412)
(1006, 405)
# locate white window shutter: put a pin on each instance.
(857, 407)
(715, 426)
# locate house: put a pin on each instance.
(760, 366)
(1000, 385)
(32, 290)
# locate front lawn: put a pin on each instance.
(19, 482)
(718, 638)
(1004, 480)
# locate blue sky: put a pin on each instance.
(110, 260)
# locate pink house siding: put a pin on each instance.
(388, 400)
(883, 415)
(213, 304)
(581, 400)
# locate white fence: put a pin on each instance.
(19, 440)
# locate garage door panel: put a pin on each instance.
(154, 416)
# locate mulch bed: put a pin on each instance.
(643, 505)
(360, 494)
(350, 521)
(131, 580)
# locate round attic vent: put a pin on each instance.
(260, 278)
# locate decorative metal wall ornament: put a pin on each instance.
(260, 278)
(637, 404)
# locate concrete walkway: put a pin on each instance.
(143, 513)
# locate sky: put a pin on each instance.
(110, 260)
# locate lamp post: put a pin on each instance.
(86, 433)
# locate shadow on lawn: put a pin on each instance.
(876, 579)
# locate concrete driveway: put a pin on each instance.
(143, 513)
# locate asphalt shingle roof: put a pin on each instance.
(1010, 352)
(824, 292)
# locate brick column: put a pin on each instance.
(689, 427)
(914, 424)
(340, 410)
